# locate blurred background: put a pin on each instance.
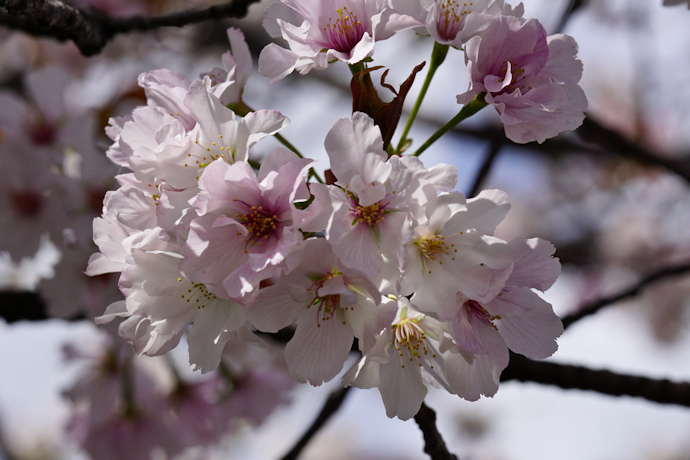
(613, 197)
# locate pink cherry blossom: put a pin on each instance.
(331, 306)
(319, 32)
(402, 380)
(245, 224)
(453, 22)
(517, 318)
(453, 250)
(530, 79)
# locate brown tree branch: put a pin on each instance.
(330, 407)
(566, 376)
(92, 30)
(434, 445)
(631, 291)
(498, 140)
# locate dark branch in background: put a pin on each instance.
(434, 445)
(497, 141)
(612, 141)
(567, 376)
(92, 30)
(625, 293)
(331, 406)
(25, 306)
(573, 6)
(599, 140)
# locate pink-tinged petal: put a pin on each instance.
(173, 206)
(369, 192)
(402, 387)
(227, 189)
(276, 62)
(471, 333)
(274, 160)
(358, 249)
(355, 148)
(368, 320)
(99, 264)
(527, 323)
(437, 290)
(280, 191)
(393, 234)
(319, 213)
(441, 210)
(279, 11)
(108, 234)
(138, 134)
(318, 349)
(362, 50)
(562, 64)
(365, 373)
(470, 378)
(205, 344)
(486, 211)
(543, 112)
(133, 208)
(482, 265)
(167, 90)
(259, 124)
(242, 55)
(115, 310)
(211, 253)
(276, 307)
(535, 266)
(390, 22)
(495, 83)
(213, 117)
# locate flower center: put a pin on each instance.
(473, 307)
(329, 304)
(259, 223)
(410, 336)
(196, 293)
(435, 245)
(371, 215)
(210, 153)
(450, 17)
(345, 31)
(517, 74)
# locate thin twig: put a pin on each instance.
(599, 140)
(92, 30)
(495, 145)
(570, 9)
(434, 445)
(625, 293)
(612, 141)
(333, 403)
(567, 376)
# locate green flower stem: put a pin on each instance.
(354, 68)
(243, 109)
(474, 106)
(438, 55)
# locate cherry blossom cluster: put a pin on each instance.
(384, 251)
